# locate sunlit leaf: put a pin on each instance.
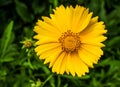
(6, 38)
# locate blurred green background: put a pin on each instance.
(20, 67)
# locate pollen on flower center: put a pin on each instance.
(70, 41)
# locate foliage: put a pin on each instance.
(20, 67)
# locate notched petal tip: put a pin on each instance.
(91, 13)
(105, 38)
(35, 37)
(61, 6)
(96, 18)
(44, 18)
(104, 31)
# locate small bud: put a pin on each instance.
(27, 44)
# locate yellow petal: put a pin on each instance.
(63, 67)
(83, 53)
(94, 30)
(42, 48)
(76, 17)
(60, 19)
(45, 40)
(84, 21)
(70, 65)
(93, 20)
(58, 63)
(93, 49)
(95, 41)
(46, 29)
(87, 60)
(51, 55)
(79, 66)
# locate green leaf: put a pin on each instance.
(55, 3)
(37, 8)
(114, 66)
(5, 2)
(7, 59)
(103, 11)
(66, 85)
(23, 11)
(105, 62)
(3, 72)
(5, 41)
(59, 81)
(114, 42)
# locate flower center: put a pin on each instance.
(70, 41)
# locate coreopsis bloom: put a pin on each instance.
(70, 40)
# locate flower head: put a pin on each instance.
(70, 40)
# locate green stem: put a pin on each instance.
(43, 83)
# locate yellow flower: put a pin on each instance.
(70, 40)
